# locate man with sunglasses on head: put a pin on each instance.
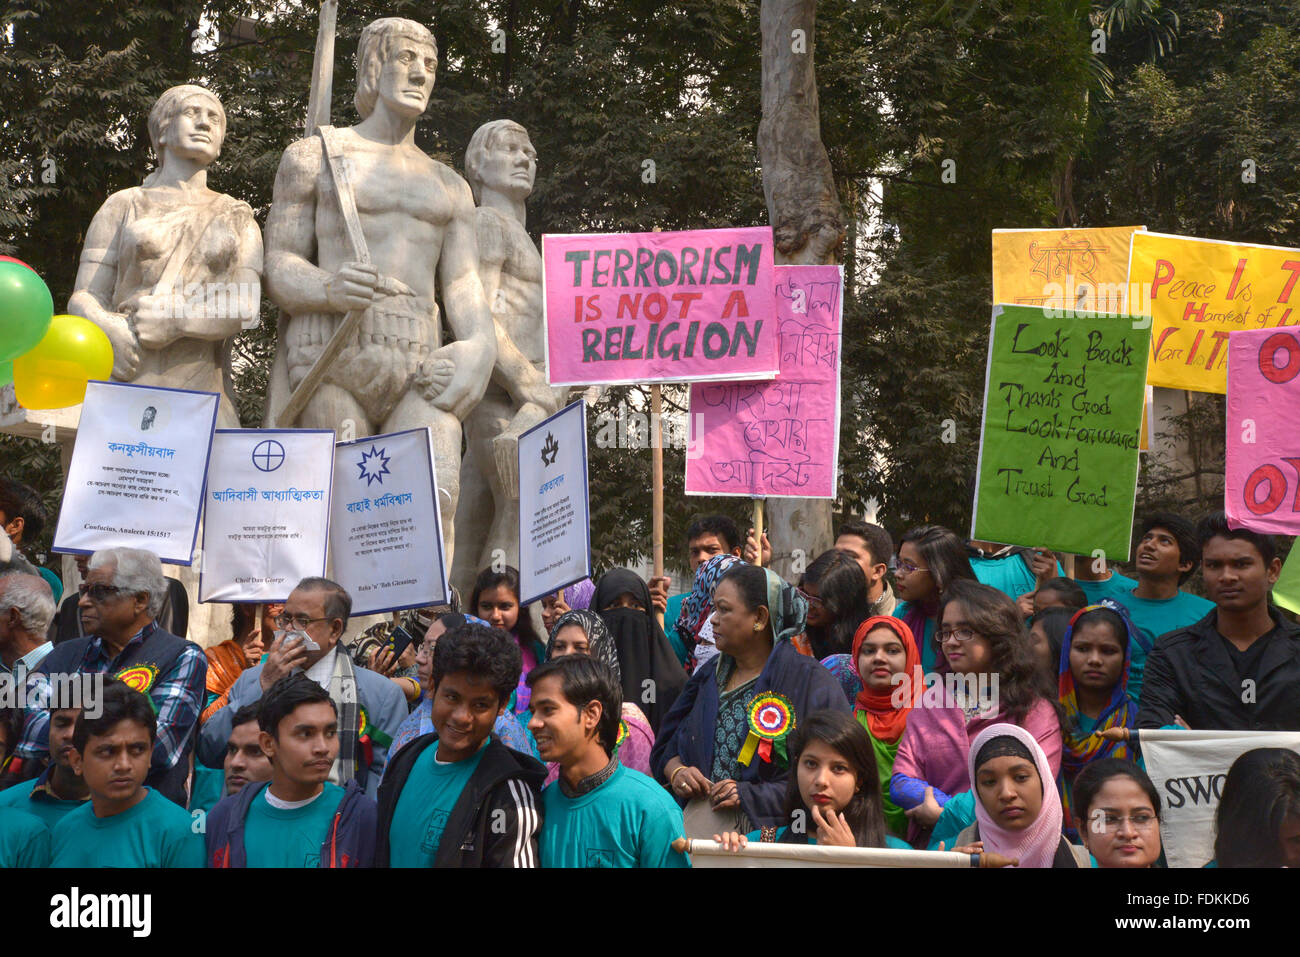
(370, 707)
(119, 604)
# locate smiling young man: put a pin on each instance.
(598, 812)
(459, 797)
(1238, 668)
(58, 790)
(299, 819)
(124, 824)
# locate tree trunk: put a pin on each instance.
(804, 210)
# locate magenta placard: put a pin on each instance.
(778, 438)
(659, 307)
(1262, 462)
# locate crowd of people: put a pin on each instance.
(938, 695)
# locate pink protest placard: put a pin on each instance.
(659, 307)
(1262, 463)
(779, 438)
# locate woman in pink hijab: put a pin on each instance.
(1017, 807)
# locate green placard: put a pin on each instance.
(1287, 590)
(1058, 458)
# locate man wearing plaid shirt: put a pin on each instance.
(122, 593)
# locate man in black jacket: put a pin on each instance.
(459, 797)
(1238, 668)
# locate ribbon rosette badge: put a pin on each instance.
(622, 735)
(140, 678)
(771, 719)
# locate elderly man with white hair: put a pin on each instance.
(120, 599)
(26, 610)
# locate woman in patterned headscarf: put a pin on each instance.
(693, 623)
(722, 746)
(583, 632)
(1093, 691)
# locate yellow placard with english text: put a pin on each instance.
(1200, 290)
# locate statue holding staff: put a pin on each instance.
(363, 226)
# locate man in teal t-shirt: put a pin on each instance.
(24, 840)
(245, 762)
(459, 797)
(1167, 555)
(124, 824)
(300, 818)
(597, 813)
(58, 790)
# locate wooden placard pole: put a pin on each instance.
(657, 496)
(758, 530)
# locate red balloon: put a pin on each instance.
(10, 259)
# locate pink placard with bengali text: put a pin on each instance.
(778, 438)
(659, 307)
(1262, 460)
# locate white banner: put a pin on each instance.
(266, 512)
(705, 853)
(554, 513)
(138, 470)
(1188, 769)
(385, 523)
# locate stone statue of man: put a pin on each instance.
(417, 218)
(500, 165)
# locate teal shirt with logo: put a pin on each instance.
(24, 840)
(280, 837)
(426, 802)
(154, 833)
(629, 821)
(40, 804)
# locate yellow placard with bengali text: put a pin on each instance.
(1083, 269)
(1199, 291)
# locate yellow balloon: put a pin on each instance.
(54, 373)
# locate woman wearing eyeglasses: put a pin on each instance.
(930, 558)
(836, 591)
(1117, 813)
(993, 678)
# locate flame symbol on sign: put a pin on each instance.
(550, 450)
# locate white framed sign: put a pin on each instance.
(386, 524)
(138, 470)
(266, 512)
(554, 511)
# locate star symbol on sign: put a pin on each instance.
(373, 466)
(550, 450)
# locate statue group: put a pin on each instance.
(432, 279)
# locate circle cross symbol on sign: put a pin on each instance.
(268, 455)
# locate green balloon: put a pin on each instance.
(6, 372)
(26, 308)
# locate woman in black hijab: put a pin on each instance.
(622, 600)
